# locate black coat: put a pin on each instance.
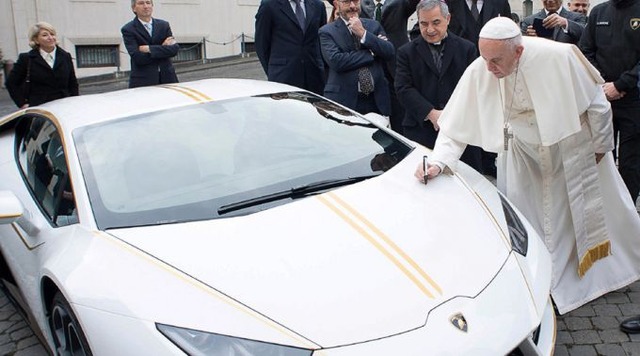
(421, 87)
(462, 22)
(149, 68)
(46, 83)
(611, 42)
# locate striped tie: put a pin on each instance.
(300, 15)
(474, 9)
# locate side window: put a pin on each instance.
(42, 162)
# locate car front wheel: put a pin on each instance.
(65, 329)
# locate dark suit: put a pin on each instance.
(421, 87)
(150, 68)
(576, 24)
(288, 53)
(464, 25)
(394, 17)
(344, 59)
(47, 83)
(462, 22)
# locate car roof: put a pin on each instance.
(85, 110)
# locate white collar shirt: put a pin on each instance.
(50, 58)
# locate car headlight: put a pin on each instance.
(195, 342)
(517, 231)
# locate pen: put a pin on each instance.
(424, 168)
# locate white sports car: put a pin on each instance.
(238, 217)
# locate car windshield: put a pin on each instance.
(222, 158)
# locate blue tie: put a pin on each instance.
(148, 27)
(300, 15)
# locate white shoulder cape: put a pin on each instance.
(559, 79)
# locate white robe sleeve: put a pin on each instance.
(600, 121)
(447, 151)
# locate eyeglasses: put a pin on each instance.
(355, 2)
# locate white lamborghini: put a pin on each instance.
(238, 217)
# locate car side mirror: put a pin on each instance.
(10, 207)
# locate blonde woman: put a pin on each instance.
(43, 74)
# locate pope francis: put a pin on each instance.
(539, 104)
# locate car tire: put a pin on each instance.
(68, 337)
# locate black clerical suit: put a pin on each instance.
(422, 86)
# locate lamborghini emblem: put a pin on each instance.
(634, 23)
(459, 322)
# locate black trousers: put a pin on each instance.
(366, 104)
(626, 123)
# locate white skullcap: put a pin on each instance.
(499, 28)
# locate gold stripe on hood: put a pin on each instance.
(190, 92)
(382, 243)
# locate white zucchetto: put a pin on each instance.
(500, 28)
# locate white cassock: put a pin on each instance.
(556, 111)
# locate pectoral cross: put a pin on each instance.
(507, 136)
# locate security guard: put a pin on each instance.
(611, 42)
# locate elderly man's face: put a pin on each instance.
(580, 6)
(500, 57)
(347, 8)
(433, 26)
(552, 5)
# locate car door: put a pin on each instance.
(39, 177)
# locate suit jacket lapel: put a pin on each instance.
(557, 31)
(343, 32)
(447, 55)
(485, 13)
(425, 54)
(288, 11)
(310, 12)
(141, 29)
(58, 59)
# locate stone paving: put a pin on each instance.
(591, 330)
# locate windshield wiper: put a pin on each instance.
(292, 193)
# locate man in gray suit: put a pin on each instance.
(356, 51)
(562, 25)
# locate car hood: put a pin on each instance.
(374, 257)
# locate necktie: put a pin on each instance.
(365, 79)
(148, 27)
(300, 15)
(378, 13)
(474, 10)
(49, 59)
